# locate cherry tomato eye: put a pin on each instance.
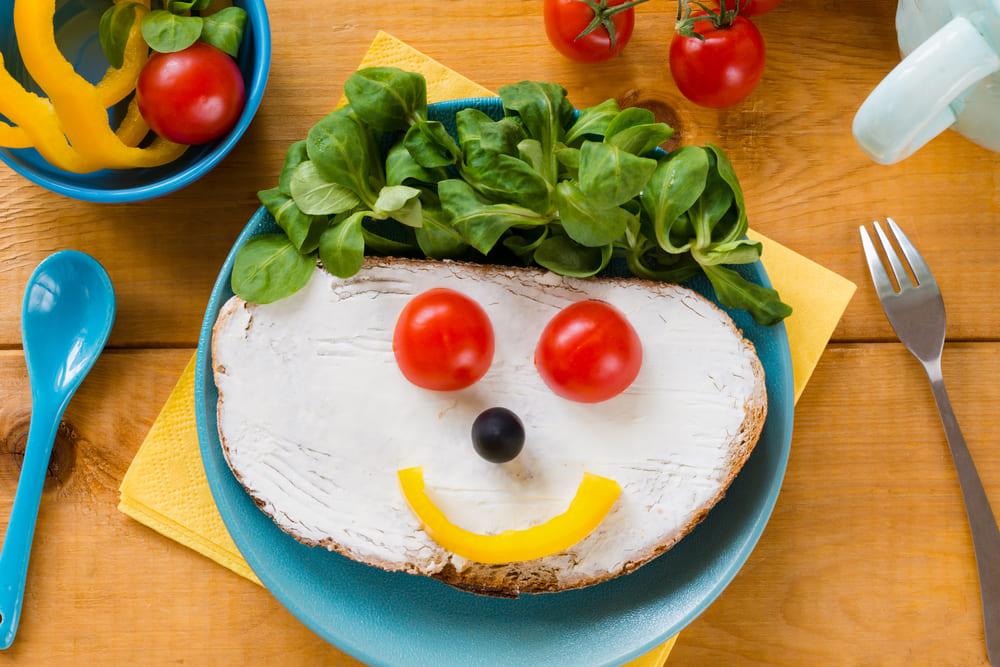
(588, 352)
(443, 340)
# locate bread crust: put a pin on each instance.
(512, 579)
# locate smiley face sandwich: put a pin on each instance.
(504, 430)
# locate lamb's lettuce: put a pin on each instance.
(543, 185)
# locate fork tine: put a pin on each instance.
(920, 269)
(883, 286)
(895, 263)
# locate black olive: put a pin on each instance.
(498, 435)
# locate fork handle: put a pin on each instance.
(985, 535)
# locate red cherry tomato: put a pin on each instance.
(443, 340)
(722, 69)
(566, 19)
(588, 352)
(192, 96)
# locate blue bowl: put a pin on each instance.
(385, 618)
(76, 32)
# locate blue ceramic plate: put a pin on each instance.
(400, 619)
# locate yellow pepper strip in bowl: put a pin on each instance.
(594, 499)
(13, 137)
(133, 128)
(113, 87)
(77, 102)
(35, 116)
(118, 83)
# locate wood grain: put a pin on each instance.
(807, 183)
(867, 559)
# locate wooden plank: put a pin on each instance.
(807, 183)
(867, 559)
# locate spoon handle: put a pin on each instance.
(21, 529)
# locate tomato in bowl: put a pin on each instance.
(75, 28)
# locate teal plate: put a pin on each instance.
(399, 619)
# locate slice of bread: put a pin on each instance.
(315, 419)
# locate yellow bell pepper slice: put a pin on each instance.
(118, 83)
(13, 137)
(593, 500)
(35, 116)
(76, 102)
(113, 87)
(133, 128)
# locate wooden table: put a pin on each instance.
(867, 559)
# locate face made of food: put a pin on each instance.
(317, 418)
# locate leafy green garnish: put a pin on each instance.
(503, 178)
(641, 139)
(563, 191)
(674, 187)
(400, 202)
(182, 6)
(342, 246)
(114, 30)
(303, 230)
(586, 223)
(538, 105)
(388, 98)
(736, 292)
(315, 195)
(224, 29)
(593, 122)
(343, 150)
(431, 145)
(480, 222)
(173, 28)
(270, 268)
(562, 255)
(437, 237)
(167, 33)
(610, 176)
(402, 169)
(295, 156)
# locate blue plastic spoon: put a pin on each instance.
(69, 307)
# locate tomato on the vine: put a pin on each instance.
(588, 352)
(716, 59)
(589, 31)
(192, 96)
(443, 340)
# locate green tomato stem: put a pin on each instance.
(602, 18)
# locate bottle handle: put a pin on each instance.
(912, 105)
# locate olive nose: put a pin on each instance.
(498, 435)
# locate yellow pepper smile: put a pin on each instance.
(593, 500)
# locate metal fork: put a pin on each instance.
(916, 313)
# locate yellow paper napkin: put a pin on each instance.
(166, 489)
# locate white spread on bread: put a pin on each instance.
(316, 418)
